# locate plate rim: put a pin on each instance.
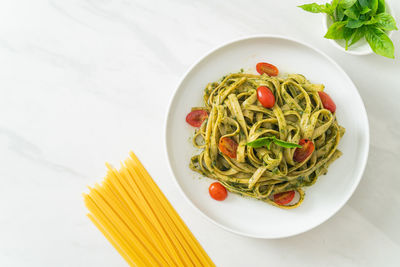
(263, 36)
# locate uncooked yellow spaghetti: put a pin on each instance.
(138, 220)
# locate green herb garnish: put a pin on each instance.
(267, 141)
(355, 19)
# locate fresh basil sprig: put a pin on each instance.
(267, 141)
(355, 19)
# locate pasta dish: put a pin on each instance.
(264, 136)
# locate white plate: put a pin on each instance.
(251, 217)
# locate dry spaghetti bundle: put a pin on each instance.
(138, 220)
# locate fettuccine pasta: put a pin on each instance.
(235, 112)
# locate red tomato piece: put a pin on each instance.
(196, 117)
(228, 147)
(301, 154)
(217, 191)
(265, 96)
(267, 68)
(327, 102)
(284, 197)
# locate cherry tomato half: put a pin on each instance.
(196, 117)
(267, 68)
(217, 191)
(228, 147)
(284, 197)
(301, 154)
(265, 96)
(327, 102)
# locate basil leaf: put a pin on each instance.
(379, 42)
(381, 6)
(347, 3)
(348, 33)
(357, 35)
(314, 8)
(336, 30)
(362, 10)
(363, 3)
(373, 5)
(335, 3)
(260, 142)
(353, 24)
(269, 144)
(371, 21)
(266, 141)
(384, 21)
(364, 17)
(285, 144)
(332, 8)
(339, 13)
(352, 12)
(365, 10)
(329, 9)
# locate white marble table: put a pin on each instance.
(85, 81)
